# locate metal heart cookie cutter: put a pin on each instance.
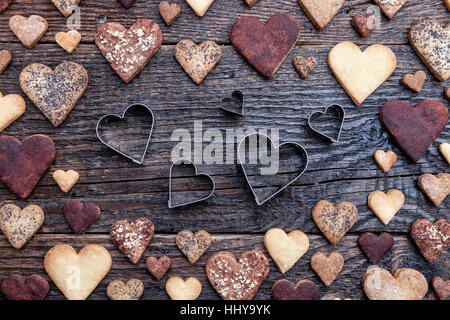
(188, 162)
(298, 146)
(319, 114)
(122, 117)
(238, 96)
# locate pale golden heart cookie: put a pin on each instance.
(68, 40)
(179, 289)
(406, 284)
(19, 225)
(28, 30)
(444, 148)
(321, 12)
(386, 205)
(361, 73)
(200, 6)
(285, 249)
(385, 160)
(132, 290)
(12, 107)
(66, 179)
(77, 274)
(327, 268)
(66, 7)
(435, 187)
(5, 60)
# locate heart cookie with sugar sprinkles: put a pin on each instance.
(200, 6)
(28, 30)
(390, 7)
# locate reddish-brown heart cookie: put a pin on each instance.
(441, 287)
(265, 47)
(304, 66)
(22, 164)
(4, 4)
(414, 128)
(414, 81)
(132, 238)
(16, 287)
(169, 12)
(127, 3)
(364, 24)
(80, 216)
(303, 290)
(375, 247)
(158, 267)
(431, 239)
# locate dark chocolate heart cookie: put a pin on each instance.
(375, 247)
(16, 287)
(302, 290)
(80, 216)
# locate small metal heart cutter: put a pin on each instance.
(315, 115)
(236, 97)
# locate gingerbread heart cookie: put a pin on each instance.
(192, 245)
(444, 149)
(414, 128)
(390, 7)
(200, 6)
(251, 3)
(132, 238)
(80, 216)
(128, 51)
(364, 24)
(431, 43)
(169, 12)
(436, 187)
(414, 81)
(66, 7)
(334, 221)
(327, 267)
(68, 40)
(447, 4)
(54, 92)
(77, 274)
(16, 287)
(118, 290)
(66, 179)
(237, 280)
(441, 287)
(385, 160)
(361, 73)
(28, 30)
(22, 164)
(386, 205)
(431, 238)
(158, 267)
(303, 290)
(321, 12)
(12, 107)
(265, 46)
(4, 4)
(304, 66)
(5, 60)
(179, 289)
(375, 247)
(198, 60)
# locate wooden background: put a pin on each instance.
(123, 190)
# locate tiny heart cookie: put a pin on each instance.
(375, 247)
(16, 287)
(304, 66)
(321, 12)
(414, 81)
(66, 7)
(128, 51)
(303, 290)
(77, 274)
(237, 280)
(431, 43)
(80, 216)
(66, 179)
(12, 107)
(22, 164)
(132, 238)
(364, 24)
(127, 3)
(251, 3)
(28, 30)
(19, 225)
(169, 12)
(390, 7)
(386, 205)
(54, 92)
(265, 46)
(200, 6)
(385, 160)
(132, 290)
(68, 40)
(441, 287)
(193, 246)
(179, 289)
(431, 239)
(436, 187)
(198, 60)
(4, 4)
(444, 148)
(361, 73)
(285, 249)
(334, 221)
(158, 267)
(5, 60)
(327, 268)
(406, 284)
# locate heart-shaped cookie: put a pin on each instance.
(414, 128)
(66, 7)
(77, 274)
(16, 287)
(193, 246)
(385, 160)
(68, 40)
(444, 149)
(200, 6)
(390, 7)
(321, 12)
(447, 92)
(386, 205)
(302, 290)
(179, 289)
(198, 60)
(66, 179)
(127, 3)
(132, 290)
(327, 267)
(251, 3)
(19, 225)
(334, 221)
(361, 73)
(55, 92)
(169, 12)
(304, 66)
(28, 30)
(447, 4)
(364, 24)
(22, 164)
(5, 60)
(80, 216)
(237, 280)
(406, 284)
(285, 249)
(132, 238)
(430, 41)
(4, 4)
(12, 107)
(414, 81)
(375, 247)
(265, 46)
(128, 51)
(436, 187)
(431, 238)
(441, 287)
(158, 267)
